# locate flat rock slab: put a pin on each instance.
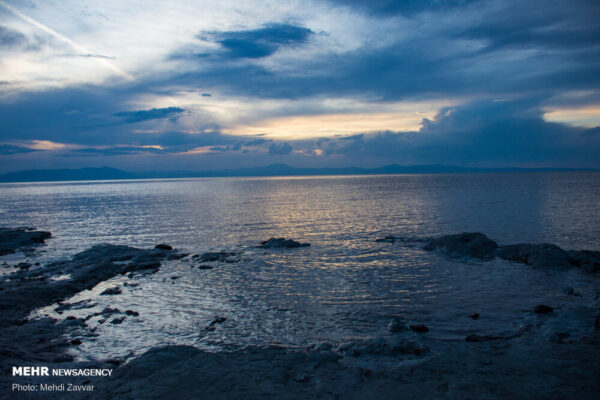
(28, 290)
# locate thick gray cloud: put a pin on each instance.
(280, 149)
(144, 115)
(484, 133)
(260, 42)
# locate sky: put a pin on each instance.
(200, 85)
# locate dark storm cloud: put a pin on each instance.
(258, 43)
(484, 133)
(7, 150)
(280, 149)
(144, 115)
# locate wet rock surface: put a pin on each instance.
(13, 239)
(543, 255)
(282, 243)
(553, 356)
(475, 245)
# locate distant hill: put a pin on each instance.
(82, 174)
(107, 173)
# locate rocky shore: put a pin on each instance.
(555, 353)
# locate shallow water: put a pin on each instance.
(344, 285)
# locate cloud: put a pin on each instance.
(144, 115)
(280, 149)
(407, 7)
(482, 133)
(11, 38)
(6, 149)
(258, 43)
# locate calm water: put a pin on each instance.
(345, 285)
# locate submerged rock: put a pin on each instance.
(111, 291)
(480, 338)
(397, 325)
(473, 244)
(13, 239)
(222, 256)
(474, 316)
(282, 243)
(419, 328)
(387, 239)
(543, 309)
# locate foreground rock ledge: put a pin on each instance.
(29, 290)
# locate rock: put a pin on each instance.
(76, 342)
(117, 321)
(31, 289)
(23, 265)
(13, 239)
(586, 259)
(569, 290)
(597, 323)
(387, 239)
(222, 256)
(111, 291)
(163, 246)
(217, 320)
(204, 266)
(282, 243)
(397, 325)
(475, 245)
(543, 309)
(132, 313)
(419, 328)
(543, 255)
(474, 316)
(174, 277)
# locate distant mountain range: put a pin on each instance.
(107, 173)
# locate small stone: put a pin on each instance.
(419, 328)
(163, 246)
(543, 309)
(132, 313)
(204, 266)
(117, 321)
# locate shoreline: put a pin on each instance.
(556, 353)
